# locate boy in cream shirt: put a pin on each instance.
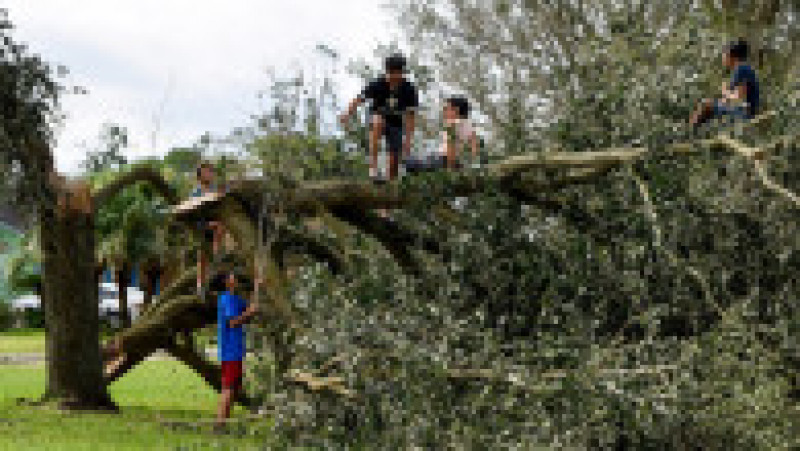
(458, 135)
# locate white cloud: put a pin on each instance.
(212, 54)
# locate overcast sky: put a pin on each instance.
(196, 66)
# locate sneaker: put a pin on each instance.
(376, 177)
(219, 428)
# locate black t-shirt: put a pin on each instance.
(391, 103)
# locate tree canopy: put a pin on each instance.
(28, 106)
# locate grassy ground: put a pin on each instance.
(154, 391)
(22, 341)
(32, 340)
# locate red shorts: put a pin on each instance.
(232, 374)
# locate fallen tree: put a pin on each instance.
(246, 208)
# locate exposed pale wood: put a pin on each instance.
(524, 380)
(192, 203)
(521, 163)
(320, 383)
(771, 185)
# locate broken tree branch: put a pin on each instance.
(140, 174)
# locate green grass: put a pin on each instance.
(22, 341)
(32, 340)
(23, 332)
(153, 391)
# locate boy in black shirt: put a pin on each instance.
(393, 102)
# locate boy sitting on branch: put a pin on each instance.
(740, 96)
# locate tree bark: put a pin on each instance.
(123, 278)
(151, 271)
(142, 174)
(74, 377)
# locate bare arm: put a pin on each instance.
(473, 142)
(249, 312)
(246, 316)
(450, 146)
(351, 109)
(410, 124)
(737, 93)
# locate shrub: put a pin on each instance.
(6, 316)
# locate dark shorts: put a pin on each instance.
(394, 138)
(733, 112)
(207, 234)
(207, 242)
(232, 375)
(425, 164)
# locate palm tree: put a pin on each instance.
(128, 236)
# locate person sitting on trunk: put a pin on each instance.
(212, 231)
(232, 313)
(458, 135)
(740, 96)
(394, 100)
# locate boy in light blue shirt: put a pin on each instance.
(212, 231)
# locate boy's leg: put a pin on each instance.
(703, 112)
(201, 268)
(218, 233)
(394, 165)
(231, 383)
(394, 141)
(376, 130)
(224, 407)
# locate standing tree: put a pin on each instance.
(65, 211)
(28, 101)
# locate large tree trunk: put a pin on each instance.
(123, 279)
(74, 376)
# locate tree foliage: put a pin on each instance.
(649, 309)
(28, 101)
(113, 140)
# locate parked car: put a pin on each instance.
(108, 296)
(28, 308)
